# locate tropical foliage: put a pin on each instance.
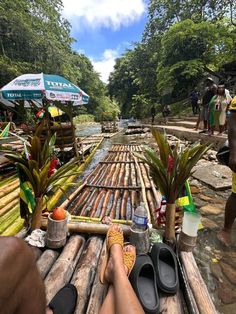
(183, 42)
(170, 169)
(38, 176)
(34, 38)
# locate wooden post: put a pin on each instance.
(36, 219)
(64, 266)
(84, 274)
(170, 222)
(197, 284)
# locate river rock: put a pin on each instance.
(205, 197)
(208, 223)
(195, 183)
(229, 272)
(210, 210)
(194, 189)
(216, 176)
(227, 309)
(226, 293)
(230, 258)
(217, 271)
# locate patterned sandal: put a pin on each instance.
(129, 259)
(113, 237)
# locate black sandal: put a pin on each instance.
(165, 264)
(143, 281)
(64, 302)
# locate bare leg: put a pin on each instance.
(121, 298)
(221, 129)
(230, 216)
(22, 289)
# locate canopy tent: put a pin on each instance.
(40, 86)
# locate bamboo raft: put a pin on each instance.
(116, 186)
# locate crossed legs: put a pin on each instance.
(121, 298)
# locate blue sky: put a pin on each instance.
(105, 28)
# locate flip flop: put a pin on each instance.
(64, 302)
(129, 259)
(165, 264)
(143, 281)
(113, 237)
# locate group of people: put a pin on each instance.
(214, 110)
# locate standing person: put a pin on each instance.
(153, 113)
(210, 91)
(218, 107)
(194, 95)
(230, 212)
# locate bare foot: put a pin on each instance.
(224, 237)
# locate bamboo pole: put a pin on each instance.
(9, 198)
(197, 284)
(9, 218)
(11, 186)
(125, 195)
(14, 228)
(85, 272)
(99, 290)
(143, 188)
(88, 227)
(46, 261)
(9, 206)
(64, 266)
(72, 196)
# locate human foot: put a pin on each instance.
(129, 257)
(114, 254)
(224, 237)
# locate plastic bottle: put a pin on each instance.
(139, 231)
(140, 219)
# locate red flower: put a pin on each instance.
(170, 164)
(54, 163)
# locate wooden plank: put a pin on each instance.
(171, 304)
(197, 284)
(85, 272)
(63, 269)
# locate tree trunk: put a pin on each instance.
(170, 223)
(37, 215)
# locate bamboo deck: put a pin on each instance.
(117, 185)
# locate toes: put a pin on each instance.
(129, 248)
(116, 227)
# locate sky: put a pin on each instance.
(103, 29)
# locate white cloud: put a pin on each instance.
(108, 13)
(105, 65)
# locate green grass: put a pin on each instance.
(84, 118)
